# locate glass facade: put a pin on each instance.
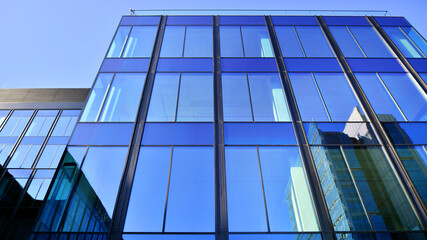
(232, 127)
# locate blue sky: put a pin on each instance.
(58, 43)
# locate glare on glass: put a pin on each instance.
(42, 123)
(16, 123)
(416, 38)
(371, 42)
(164, 98)
(403, 42)
(256, 42)
(119, 41)
(236, 100)
(140, 42)
(97, 97)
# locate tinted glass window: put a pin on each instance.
(340, 133)
(403, 42)
(256, 41)
(289, 41)
(5, 150)
(173, 41)
(140, 42)
(24, 156)
(51, 156)
(118, 43)
(42, 123)
(96, 98)
(16, 123)
(198, 41)
(235, 92)
(3, 114)
(66, 123)
(313, 41)
(164, 98)
(370, 41)
(416, 38)
(346, 41)
(231, 41)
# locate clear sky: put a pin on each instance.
(58, 43)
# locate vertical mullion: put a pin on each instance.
(183, 42)
(322, 211)
(321, 96)
(167, 191)
(221, 214)
(126, 42)
(263, 190)
(6, 119)
(391, 96)
(250, 97)
(177, 97)
(415, 45)
(241, 39)
(403, 177)
(299, 41)
(358, 44)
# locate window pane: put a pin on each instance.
(405, 45)
(236, 103)
(173, 41)
(4, 152)
(140, 42)
(416, 38)
(289, 42)
(370, 41)
(423, 76)
(338, 97)
(231, 41)
(310, 103)
(16, 123)
(118, 43)
(66, 123)
(51, 156)
(268, 98)
(191, 198)
(121, 105)
(42, 123)
(245, 201)
(24, 156)
(164, 98)
(198, 41)
(97, 96)
(195, 97)
(147, 201)
(288, 198)
(256, 41)
(379, 97)
(3, 114)
(406, 92)
(313, 41)
(346, 41)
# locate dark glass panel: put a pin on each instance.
(185, 65)
(375, 65)
(96, 98)
(289, 42)
(416, 38)
(241, 20)
(189, 20)
(385, 236)
(198, 41)
(118, 43)
(231, 41)
(312, 65)
(168, 237)
(423, 76)
(191, 198)
(140, 42)
(294, 20)
(346, 42)
(102, 134)
(178, 134)
(347, 20)
(248, 65)
(16, 123)
(256, 41)
(259, 133)
(245, 200)
(370, 41)
(137, 20)
(289, 236)
(148, 197)
(313, 41)
(340, 133)
(236, 101)
(407, 133)
(164, 98)
(402, 41)
(392, 21)
(125, 65)
(420, 65)
(173, 41)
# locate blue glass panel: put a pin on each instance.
(346, 42)
(189, 20)
(289, 42)
(51, 156)
(168, 237)
(294, 20)
(148, 197)
(379, 97)
(24, 156)
(289, 236)
(16, 123)
(185, 65)
(164, 98)
(392, 21)
(313, 41)
(389, 235)
(191, 198)
(195, 97)
(416, 38)
(248, 65)
(123, 96)
(339, 97)
(96, 98)
(310, 103)
(32, 140)
(178, 134)
(405, 45)
(236, 102)
(5, 150)
(42, 123)
(340, 133)
(103, 166)
(173, 41)
(66, 123)
(347, 20)
(423, 76)
(245, 200)
(256, 42)
(420, 65)
(312, 65)
(406, 92)
(118, 43)
(125, 65)
(198, 41)
(102, 134)
(140, 42)
(3, 114)
(241, 20)
(259, 133)
(375, 65)
(287, 193)
(407, 133)
(135, 20)
(268, 98)
(58, 140)
(8, 140)
(231, 41)
(370, 41)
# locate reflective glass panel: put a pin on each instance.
(423, 76)
(416, 38)
(5, 150)
(195, 97)
(66, 123)
(245, 200)
(16, 123)
(191, 198)
(173, 41)
(287, 194)
(370, 41)
(289, 41)
(118, 43)
(121, 105)
(96, 98)
(42, 123)
(3, 114)
(235, 93)
(266, 236)
(402, 41)
(192, 236)
(147, 202)
(231, 41)
(24, 156)
(346, 41)
(259, 133)
(140, 42)
(198, 41)
(256, 42)
(313, 41)
(164, 98)
(407, 133)
(268, 98)
(406, 92)
(51, 156)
